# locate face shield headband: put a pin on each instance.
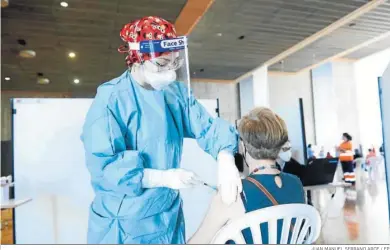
(244, 154)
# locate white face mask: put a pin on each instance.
(285, 156)
(157, 79)
(161, 79)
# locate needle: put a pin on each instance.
(207, 185)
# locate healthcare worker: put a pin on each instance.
(133, 138)
(346, 158)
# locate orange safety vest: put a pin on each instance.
(348, 154)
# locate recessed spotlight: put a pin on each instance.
(27, 53)
(4, 3)
(43, 81)
(64, 4)
(241, 37)
(76, 81)
(7, 78)
(72, 55)
(219, 34)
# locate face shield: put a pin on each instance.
(163, 61)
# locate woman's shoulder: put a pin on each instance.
(291, 178)
(294, 185)
(290, 191)
(264, 179)
(292, 182)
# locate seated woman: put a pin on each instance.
(263, 134)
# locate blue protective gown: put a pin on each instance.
(127, 129)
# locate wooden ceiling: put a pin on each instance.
(228, 38)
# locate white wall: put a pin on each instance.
(246, 96)
(345, 88)
(325, 107)
(284, 94)
(227, 94)
(367, 72)
(335, 104)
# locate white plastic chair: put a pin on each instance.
(306, 217)
(374, 167)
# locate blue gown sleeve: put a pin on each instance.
(212, 134)
(108, 160)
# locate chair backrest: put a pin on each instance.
(305, 217)
(375, 161)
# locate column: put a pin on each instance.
(254, 91)
(260, 87)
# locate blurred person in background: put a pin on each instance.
(322, 153)
(370, 154)
(310, 152)
(285, 159)
(373, 149)
(346, 158)
(357, 158)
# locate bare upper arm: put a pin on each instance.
(216, 217)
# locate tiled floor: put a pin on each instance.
(357, 215)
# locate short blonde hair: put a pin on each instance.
(263, 133)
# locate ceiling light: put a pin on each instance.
(219, 34)
(7, 78)
(4, 3)
(27, 53)
(64, 4)
(43, 81)
(72, 55)
(76, 81)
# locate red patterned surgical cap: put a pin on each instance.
(147, 28)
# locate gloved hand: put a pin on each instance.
(170, 178)
(229, 181)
